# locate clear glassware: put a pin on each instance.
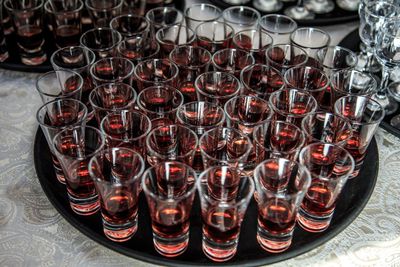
(241, 17)
(279, 27)
(268, 6)
(299, 11)
(199, 13)
(310, 40)
(394, 91)
(320, 6)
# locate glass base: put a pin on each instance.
(394, 90)
(312, 223)
(297, 12)
(386, 102)
(273, 243)
(349, 5)
(120, 232)
(85, 207)
(171, 247)
(395, 122)
(33, 60)
(268, 6)
(219, 252)
(373, 67)
(320, 6)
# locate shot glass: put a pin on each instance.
(364, 123)
(153, 72)
(130, 25)
(352, 82)
(171, 143)
(160, 104)
(241, 18)
(232, 60)
(310, 40)
(310, 79)
(225, 146)
(199, 13)
(58, 84)
(161, 17)
(285, 56)
(101, 12)
(292, 105)
(112, 70)
(55, 116)
(279, 27)
(223, 194)
(102, 41)
(244, 113)
(170, 37)
(200, 117)
(126, 128)
(326, 127)
(65, 21)
(277, 139)
(281, 185)
(255, 42)
(117, 174)
(138, 48)
(261, 81)
(110, 97)
(214, 35)
(28, 26)
(170, 188)
(335, 58)
(216, 87)
(330, 166)
(74, 148)
(191, 61)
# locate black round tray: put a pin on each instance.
(354, 197)
(352, 42)
(337, 16)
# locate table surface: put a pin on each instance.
(32, 233)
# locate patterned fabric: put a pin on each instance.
(32, 233)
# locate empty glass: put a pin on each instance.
(310, 40)
(171, 36)
(214, 35)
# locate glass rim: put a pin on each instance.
(169, 62)
(35, 8)
(100, 144)
(278, 16)
(248, 56)
(310, 116)
(150, 88)
(44, 75)
(310, 29)
(324, 50)
(303, 53)
(160, 31)
(268, 125)
(301, 171)
(260, 32)
(372, 4)
(240, 8)
(130, 15)
(51, 11)
(261, 66)
(287, 113)
(87, 51)
(208, 127)
(123, 42)
(157, 154)
(148, 192)
(99, 87)
(190, 67)
(369, 99)
(222, 129)
(227, 33)
(89, 6)
(229, 116)
(202, 5)
(204, 74)
(112, 59)
(45, 105)
(114, 113)
(225, 204)
(136, 177)
(111, 31)
(163, 10)
(373, 82)
(305, 67)
(341, 149)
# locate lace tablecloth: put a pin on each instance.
(32, 233)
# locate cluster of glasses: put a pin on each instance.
(272, 112)
(380, 50)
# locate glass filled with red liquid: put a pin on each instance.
(130, 25)
(214, 35)
(285, 56)
(172, 36)
(330, 167)
(102, 41)
(101, 12)
(170, 188)
(253, 41)
(224, 197)
(138, 48)
(117, 174)
(232, 60)
(112, 70)
(281, 185)
(74, 148)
